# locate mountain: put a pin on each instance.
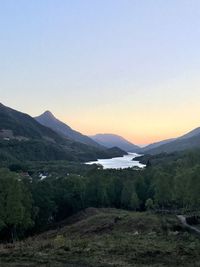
(192, 133)
(157, 144)
(191, 140)
(47, 119)
(21, 126)
(23, 138)
(113, 140)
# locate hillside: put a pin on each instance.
(47, 119)
(23, 138)
(192, 133)
(177, 145)
(190, 140)
(21, 126)
(107, 237)
(157, 144)
(111, 140)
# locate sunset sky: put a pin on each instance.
(130, 67)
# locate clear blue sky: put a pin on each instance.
(127, 67)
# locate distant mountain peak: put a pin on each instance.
(49, 120)
(48, 114)
(44, 143)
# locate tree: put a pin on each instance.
(16, 204)
(182, 188)
(114, 190)
(163, 184)
(141, 189)
(134, 202)
(97, 192)
(128, 189)
(194, 187)
(71, 197)
(14, 207)
(44, 203)
(149, 204)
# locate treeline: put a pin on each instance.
(29, 205)
(14, 151)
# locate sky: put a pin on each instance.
(129, 67)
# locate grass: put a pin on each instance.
(108, 237)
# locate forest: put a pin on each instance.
(30, 205)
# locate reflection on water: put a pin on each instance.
(119, 163)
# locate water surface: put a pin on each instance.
(120, 162)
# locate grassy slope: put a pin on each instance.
(108, 237)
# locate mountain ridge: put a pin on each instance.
(110, 140)
(23, 138)
(190, 140)
(49, 120)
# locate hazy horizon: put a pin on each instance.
(76, 128)
(124, 67)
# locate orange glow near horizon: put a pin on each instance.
(141, 131)
(136, 77)
(143, 117)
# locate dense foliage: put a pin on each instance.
(43, 150)
(30, 202)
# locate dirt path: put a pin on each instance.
(193, 229)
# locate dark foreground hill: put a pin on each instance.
(23, 138)
(108, 237)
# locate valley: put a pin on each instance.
(99, 133)
(119, 209)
